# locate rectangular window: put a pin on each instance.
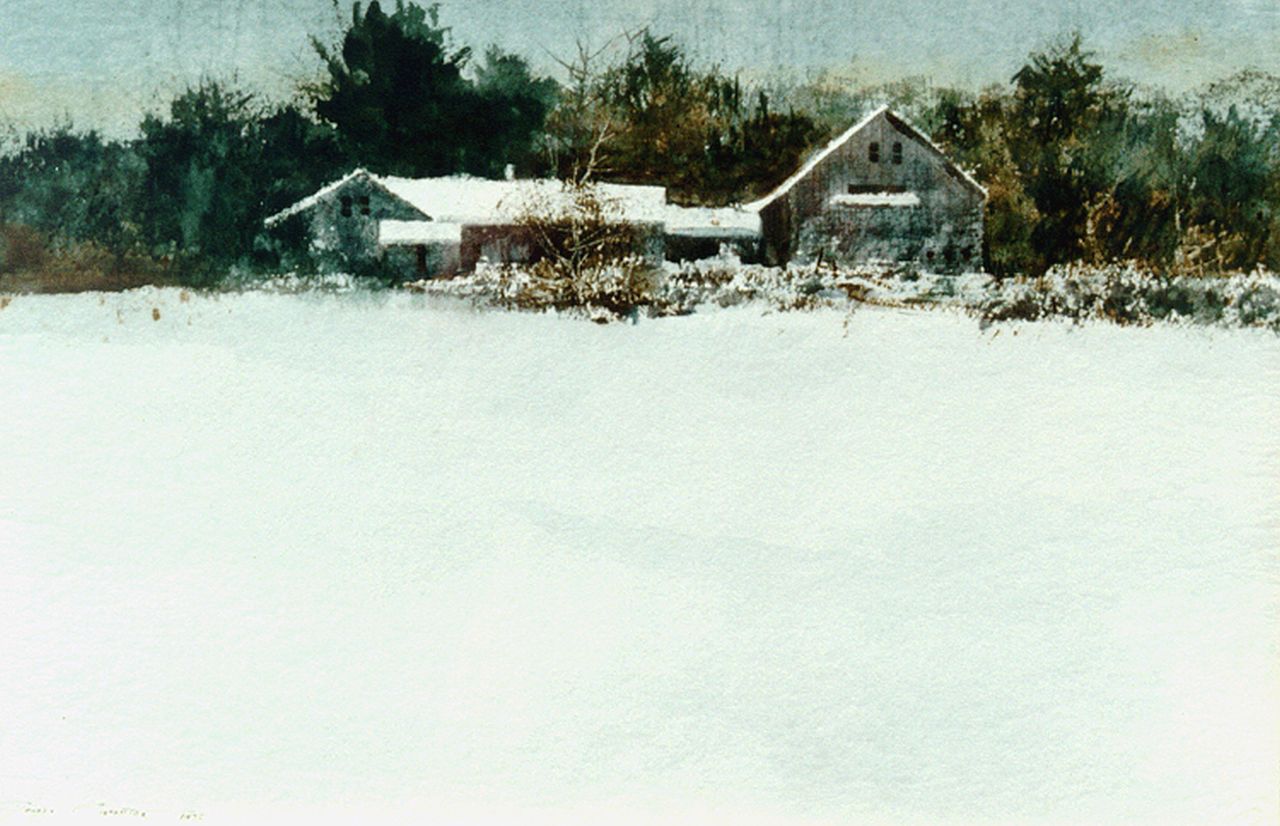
(346, 206)
(897, 153)
(875, 189)
(422, 258)
(364, 204)
(873, 152)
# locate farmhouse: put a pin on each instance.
(438, 227)
(881, 191)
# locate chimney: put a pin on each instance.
(510, 172)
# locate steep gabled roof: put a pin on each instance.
(824, 153)
(318, 196)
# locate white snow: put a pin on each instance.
(392, 232)
(362, 555)
(876, 199)
(467, 200)
(463, 199)
(711, 221)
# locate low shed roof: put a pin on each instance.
(712, 222)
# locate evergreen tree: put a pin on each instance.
(1061, 102)
(400, 99)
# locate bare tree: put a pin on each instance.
(582, 126)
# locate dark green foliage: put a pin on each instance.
(199, 189)
(215, 168)
(1234, 189)
(512, 109)
(974, 131)
(298, 156)
(397, 94)
(74, 186)
(1078, 169)
(754, 151)
(1060, 114)
(1137, 217)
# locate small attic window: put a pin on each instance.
(873, 152)
(874, 189)
(346, 206)
(364, 204)
(897, 152)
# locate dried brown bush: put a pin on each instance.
(32, 263)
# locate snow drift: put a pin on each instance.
(369, 549)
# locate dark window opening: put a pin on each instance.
(875, 189)
(421, 250)
(346, 206)
(364, 205)
(930, 254)
(897, 153)
(873, 152)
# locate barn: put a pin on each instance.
(438, 227)
(880, 192)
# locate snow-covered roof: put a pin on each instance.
(821, 155)
(391, 232)
(877, 199)
(711, 221)
(466, 200)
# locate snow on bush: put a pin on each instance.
(1122, 294)
(1126, 294)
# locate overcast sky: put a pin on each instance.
(101, 62)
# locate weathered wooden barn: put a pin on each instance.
(880, 192)
(437, 227)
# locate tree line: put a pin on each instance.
(1078, 165)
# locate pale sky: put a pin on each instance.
(101, 62)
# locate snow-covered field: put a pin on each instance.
(333, 555)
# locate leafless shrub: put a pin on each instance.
(587, 254)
